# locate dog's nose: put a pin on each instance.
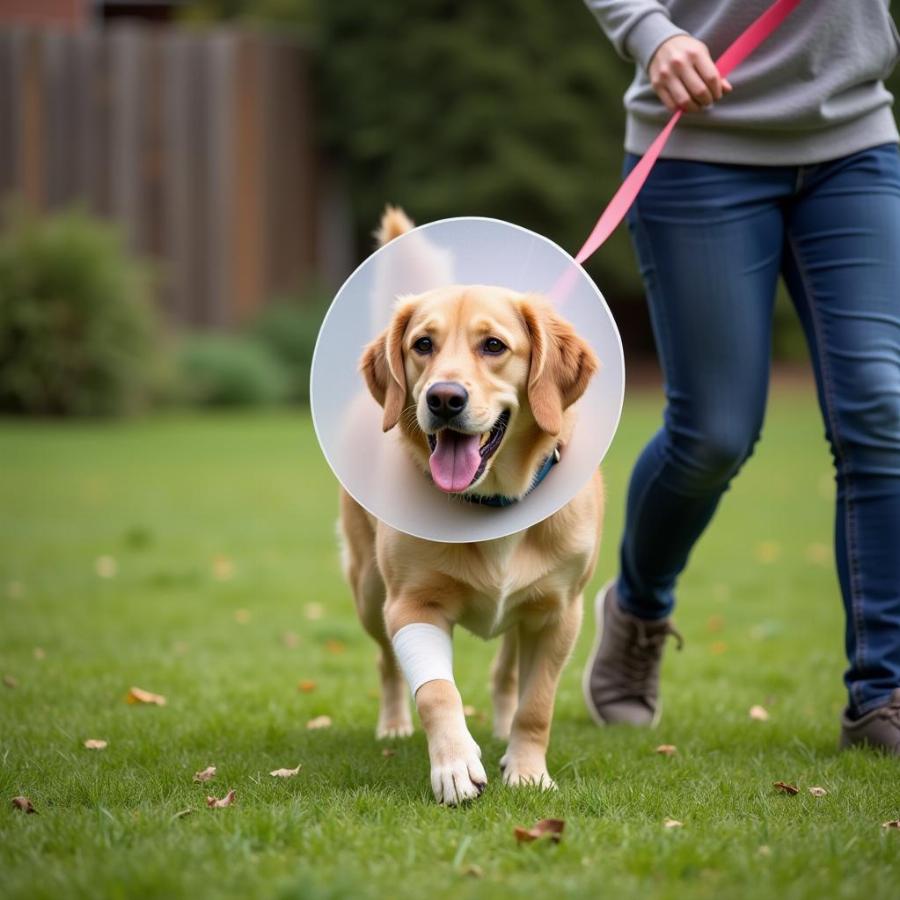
(446, 398)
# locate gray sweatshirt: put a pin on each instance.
(813, 91)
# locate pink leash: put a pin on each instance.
(746, 43)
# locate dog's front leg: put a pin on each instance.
(544, 647)
(422, 643)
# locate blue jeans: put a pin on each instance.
(711, 241)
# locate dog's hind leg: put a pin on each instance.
(361, 570)
(505, 683)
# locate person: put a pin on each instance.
(796, 172)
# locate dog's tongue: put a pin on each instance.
(455, 460)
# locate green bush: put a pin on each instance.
(78, 334)
(230, 370)
(289, 329)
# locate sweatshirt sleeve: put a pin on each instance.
(635, 27)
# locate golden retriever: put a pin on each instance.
(480, 381)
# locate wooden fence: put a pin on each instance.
(199, 144)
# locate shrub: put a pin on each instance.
(289, 329)
(230, 370)
(78, 334)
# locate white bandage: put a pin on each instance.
(425, 653)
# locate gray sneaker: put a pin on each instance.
(879, 728)
(621, 678)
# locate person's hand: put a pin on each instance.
(684, 76)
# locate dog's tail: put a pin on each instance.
(394, 222)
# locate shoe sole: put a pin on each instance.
(599, 603)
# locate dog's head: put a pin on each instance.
(479, 380)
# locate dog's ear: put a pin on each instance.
(561, 364)
(382, 367)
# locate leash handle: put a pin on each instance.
(743, 46)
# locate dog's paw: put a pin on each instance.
(520, 773)
(395, 728)
(457, 777)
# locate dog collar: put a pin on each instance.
(499, 500)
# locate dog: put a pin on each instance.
(480, 381)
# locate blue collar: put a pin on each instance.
(499, 500)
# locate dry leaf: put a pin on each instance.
(550, 828)
(818, 792)
(764, 850)
(95, 744)
(15, 590)
(206, 774)
(894, 823)
(286, 773)
(290, 640)
(11, 681)
(181, 814)
(227, 800)
(40, 653)
(314, 611)
(666, 749)
(24, 804)
(715, 623)
(767, 551)
(759, 714)
(333, 646)
(820, 554)
(242, 616)
(139, 695)
(717, 648)
(222, 568)
(473, 871)
(672, 823)
(106, 566)
(786, 788)
(319, 722)
(388, 751)
(306, 686)
(180, 648)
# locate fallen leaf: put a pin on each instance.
(759, 714)
(181, 814)
(314, 611)
(227, 800)
(222, 568)
(764, 850)
(666, 749)
(786, 788)
(715, 623)
(473, 871)
(242, 616)
(894, 823)
(24, 804)
(11, 681)
(290, 640)
(286, 773)
(319, 722)
(550, 828)
(672, 823)
(95, 744)
(139, 695)
(180, 648)
(819, 554)
(106, 566)
(40, 653)
(818, 792)
(306, 686)
(767, 551)
(206, 774)
(333, 646)
(717, 648)
(388, 751)
(15, 590)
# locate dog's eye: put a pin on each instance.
(493, 346)
(423, 345)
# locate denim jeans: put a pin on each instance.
(711, 241)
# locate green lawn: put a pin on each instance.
(221, 534)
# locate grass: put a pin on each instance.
(176, 502)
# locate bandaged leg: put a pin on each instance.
(425, 654)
